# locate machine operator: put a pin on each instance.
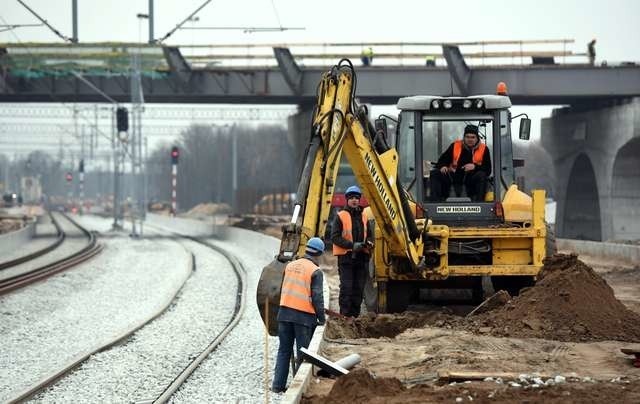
(466, 163)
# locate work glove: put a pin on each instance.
(358, 246)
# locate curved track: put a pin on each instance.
(59, 239)
(32, 275)
(162, 393)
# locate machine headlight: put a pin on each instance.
(435, 104)
(466, 104)
(447, 104)
(479, 103)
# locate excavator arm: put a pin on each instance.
(339, 126)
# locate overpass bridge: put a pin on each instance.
(594, 142)
(289, 75)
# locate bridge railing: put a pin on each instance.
(522, 52)
(115, 58)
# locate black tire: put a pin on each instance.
(512, 284)
(550, 242)
(399, 295)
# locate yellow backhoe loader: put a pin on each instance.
(420, 245)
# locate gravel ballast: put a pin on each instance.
(46, 325)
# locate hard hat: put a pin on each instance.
(315, 246)
(352, 190)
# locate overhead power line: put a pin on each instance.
(55, 31)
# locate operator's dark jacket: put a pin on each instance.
(466, 156)
(357, 232)
(317, 300)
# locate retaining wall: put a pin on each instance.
(11, 241)
(626, 252)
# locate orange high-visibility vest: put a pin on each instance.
(296, 285)
(347, 231)
(477, 154)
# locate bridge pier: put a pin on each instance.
(596, 156)
(299, 132)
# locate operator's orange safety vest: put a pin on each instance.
(347, 231)
(296, 286)
(477, 154)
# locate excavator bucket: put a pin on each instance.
(268, 294)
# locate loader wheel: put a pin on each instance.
(550, 242)
(398, 296)
(512, 284)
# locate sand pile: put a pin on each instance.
(570, 302)
(9, 225)
(208, 209)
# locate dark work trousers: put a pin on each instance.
(353, 274)
(475, 184)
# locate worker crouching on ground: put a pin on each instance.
(351, 245)
(467, 163)
(301, 309)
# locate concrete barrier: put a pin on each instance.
(626, 252)
(212, 226)
(14, 240)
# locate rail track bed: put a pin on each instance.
(73, 245)
(190, 331)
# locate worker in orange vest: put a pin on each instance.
(301, 309)
(351, 244)
(467, 162)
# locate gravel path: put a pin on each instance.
(45, 325)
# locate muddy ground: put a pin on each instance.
(559, 341)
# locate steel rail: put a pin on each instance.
(20, 280)
(59, 239)
(241, 298)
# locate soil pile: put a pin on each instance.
(9, 225)
(383, 325)
(570, 302)
(360, 386)
(208, 209)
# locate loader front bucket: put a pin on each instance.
(268, 290)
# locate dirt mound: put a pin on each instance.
(360, 386)
(208, 209)
(570, 302)
(386, 325)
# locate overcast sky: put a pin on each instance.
(615, 23)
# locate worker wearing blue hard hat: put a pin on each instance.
(351, 244)
(301, 309)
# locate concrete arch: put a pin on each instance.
(625, 192)
(582, 207)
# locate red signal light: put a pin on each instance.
(69, 177)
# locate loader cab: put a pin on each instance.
(428, 125)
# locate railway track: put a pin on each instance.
(60, 235)
(161, 393)
(31, 275)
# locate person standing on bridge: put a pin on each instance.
(591, 51)
(367, 56)
(301, 309)
(467, 163)
(351, 244)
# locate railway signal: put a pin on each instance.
(175, 153)
(69, 177)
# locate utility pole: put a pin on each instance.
(151, 17)
(234, 168)
(74, 19)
